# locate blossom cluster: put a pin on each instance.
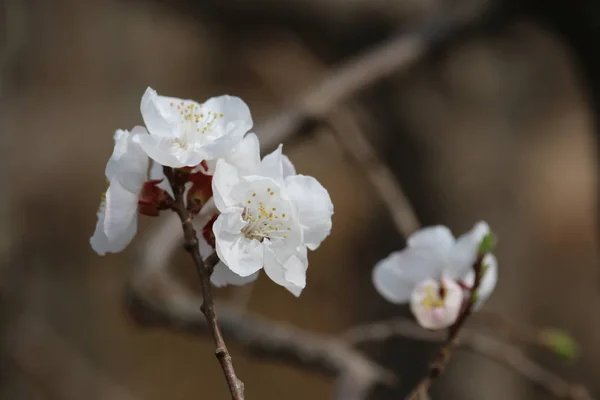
(435, 274)
(255, 213)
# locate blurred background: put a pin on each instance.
(495, 125)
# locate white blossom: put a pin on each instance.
(126, 171)
(434, 255)
(269, 217)
(117, 215)
(185, 133)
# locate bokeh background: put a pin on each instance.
(496, 125)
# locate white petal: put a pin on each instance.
(464, 254)
(165, 151)
(243, 256)
(246, 155)
(128, 164)
(313, 207)
(100, 242)
(159, 117)
(438, 238)
(288, 167)
(223, 276)
(121, 210)
(433, 316)
(395, 276)
(228, 129)
(287, 268)
(488, 282)
(272, 165)
(224, 180)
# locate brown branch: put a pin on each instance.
(507, 354)
(204, 270)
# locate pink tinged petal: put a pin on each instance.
(159, 117)
(224, 180)
(129, 163)
(488, 282)
(120, 212)
(223, 276)
(313, 207)
(243, 256)
(464, 254)
(432, 311)
(287, 268)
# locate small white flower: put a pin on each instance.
(433, 254)
(435, 304)
(269, 217)
(126, 171)
(185, 133)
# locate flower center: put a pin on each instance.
(433, 298)
(264, 221)
(193, 119)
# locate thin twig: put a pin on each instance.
(190, 244)
(507, 354)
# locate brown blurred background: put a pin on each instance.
(495, 127)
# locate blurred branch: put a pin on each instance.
(396, 55)
(155, 299)
(56, 365)
(482, 344)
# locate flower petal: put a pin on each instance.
(438, 238)
(288, 167)
(121, 210)
(395, 276)
(287, 267)
(166, 151)
(229, 120)
(159, 117)
(464, 254)
(246, 155)
(225, 179)
(128, 164)
(223, 276)
(313, 206)
(432, 311)
(272, 165)
(242, 255)
(101, 244)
